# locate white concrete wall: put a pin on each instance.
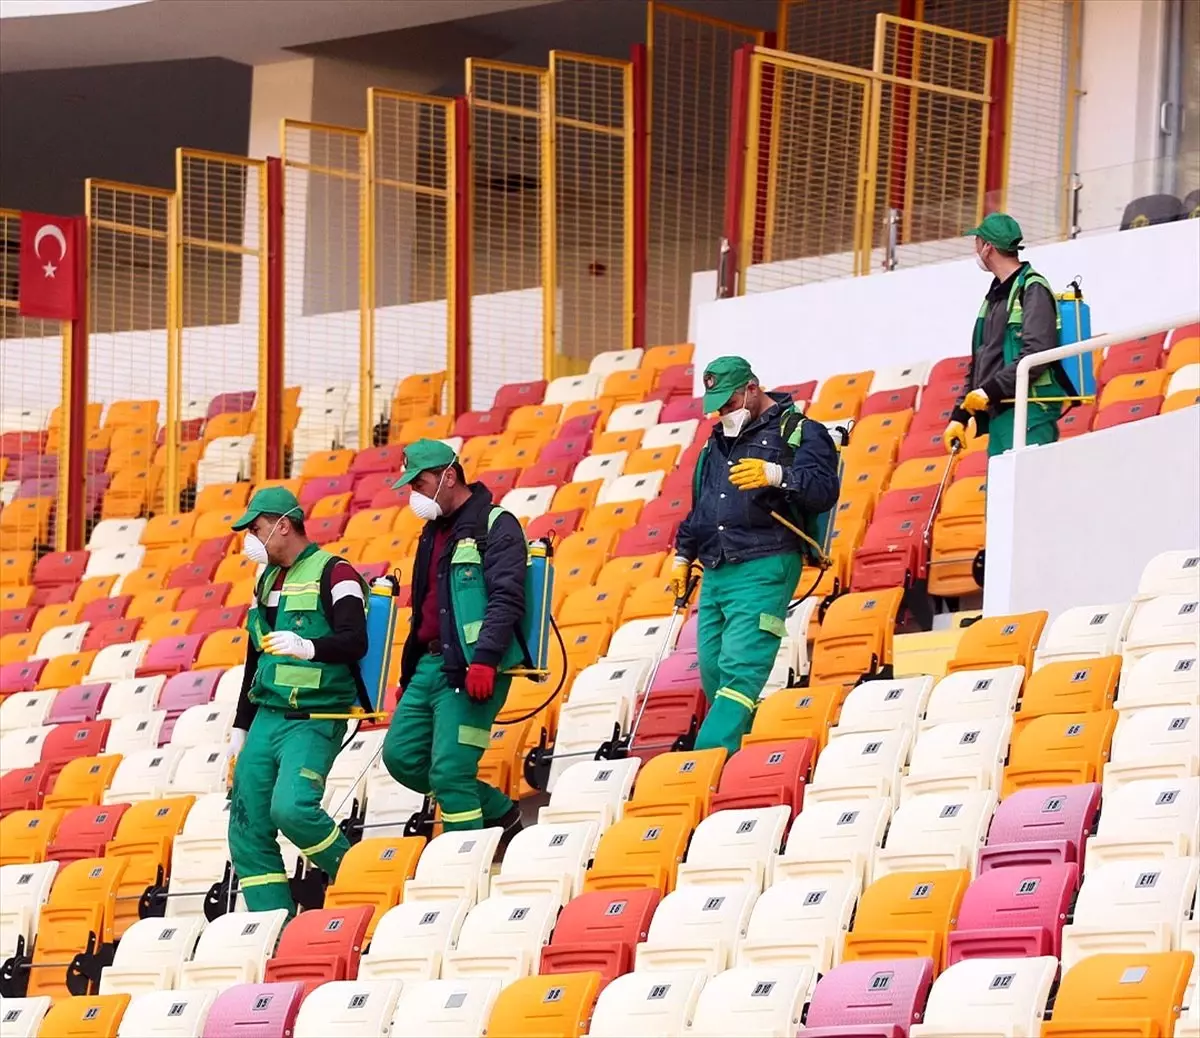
(1074, 523)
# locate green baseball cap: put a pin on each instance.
(421, 456)
(270, 501)
(1000, 230)
(722, 378)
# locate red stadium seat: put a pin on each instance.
(104, 633)
(1045, 825)
(19, 621)
(1016, 913)
(192, 574)
(104, 609)
(20, 677)
(675, 381)
(554, 524)
(680, 409)
(481, 423)
(327, 528)
(84, 832)
(922, 443)
(547, 473)
(1124, 411)
(1127, 358)
(388, 458)
(60, 567)
(675, 705)
(645, 539)
(600, 931)
(203, 596)
(801, 392)
(876, 998)
(319, 946)
(1075, 421)
(56, 594)
(951, 369)
(77, 704)
(171, 655)
(24, 789)
(318, 487)
(581, 427)
(512, 395)
(63, 744)
(974, 464)
(888, 401)
(499, 481)
(220, 618)
(367, 485)
(766, 774)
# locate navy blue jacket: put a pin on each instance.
(731, 525)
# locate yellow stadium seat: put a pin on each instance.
(532, 420)
(234, 569)
(907, 915)
(628, 387)
(585, 643)
(680, 784)
(592, 605)
(333, 504)
(797, 713)
(370, 523)
(658, 358)
(92, 588)
(651, 459)
(579, 572)
(1068, 687)
(855, 506)
(25, 835)
(17, 648)
(1115, 995)
(348, 550)
(1060, 750)
(99, 439)
(139, 436)
(144, 838)
(925, 652)
(57, 615)
(229, 425)
(146, 604)
(611, 442)
(166, 625)
(958, 536)
(596, 545)
(14, 596)
(132, 412)
(618, 515)
(80, 909)
(1180, 399)
(500, 765)
(556, 1005)
(292, 485)
(82, 781)
(163, 530)
(513, 456)
(64, 671)
(86, 1016)
(374, 872)
(570, 496)
(327, 463)
(855, 637)
(920, 472)
(877, 436)
(25, 523)
(1137, 385)
(650, 598)
(225, 648)
(222, 497)
(602, 407)
(425, 427)
(16, 568)
(628, 571)
(1000, 641)
(637, 853)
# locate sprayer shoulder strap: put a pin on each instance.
(481, 538)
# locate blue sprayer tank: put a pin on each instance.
(381, 629)
(535, 626)
(1077, 326)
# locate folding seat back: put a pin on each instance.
(76, 918)
(411, 939)
(1009, 993)
(21, 676)
(1170, 573)
(639, 852)
(255, 1010)
(1155, 742)
(547, 860)
(907, 915)
(1000, 641)
(860, 766)
(348, 1007)
(1041, 825)
(144, 775)
(73, 669)
(203, 725)
(736, 846)
(641, 639)
(77, 704)
(82, 782)
(1166, 621)
(373, 873)
(1084, 632)
(599, 931)
(1130, 906)
(558, 1006)
(1136, 385)
(959, 756)
(936, 830)
(677, 784)
(870, 998)
(101, 634)
(25, 709)
(86, 1016)
(753, 1000)
(1060, 749)
(22, 747)
(131, 696)
(118, 661)
(502, 936)
(1147, 819)
(24, 888)
(454, 864)
(697, 927)
(766, 774)
(26, 835)
(1068, 686)
(589, 790)
(800, 922)
(166, 1014)
(834, 838)
(150, 955)
(646, 1002)
(68, 741)
(60, 567)
(1139, 993)
(970, 694)
(144, 838)
(22, 1017)
(879, 706)
(856, 636)
(320, 945)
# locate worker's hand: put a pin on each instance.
(754, 474)
(288, 643)
(955, 437)
(976, 400)
(679, 576)
(481, 681)
(237, 739)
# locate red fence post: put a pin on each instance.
(997, 118)
(460, 391)
(78, 475)
(641, 187)
(274, 343)
(735, 170)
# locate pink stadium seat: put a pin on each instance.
(84, 832)
(368, 571)
(388, 458)
(499, 481)
(190, 688)
(674, 706)
(951, 369)
(680, 409)
(481, 423)
(77, 703)
(35, 466)
(600, 931)
(581, 427)
(686, 642)
(366, 486)
(889, 400)
(1015, 912)
(645, 539)
(547, 473)
(1075, 421)
(218, 618)
(35, 487)
(324, 486)
(231, 403)
(20, 677)
(114, 631)
(1125, 411)
(512, 395)
(60, 567)
(766, 774)
(255, 1011)
(319, 946)
(1041, 826)
(171, 655)
(875, 998)
(565, 450)
(554, 524)
(326, 528)
(389, 498)
(192, 574)
(104, 609)
(203, 596)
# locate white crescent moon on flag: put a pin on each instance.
(49, 230)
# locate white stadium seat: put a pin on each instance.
(1146, 819)
(114, 662)
(643, 486)
(671, 434)
(1165, 622)
(697, 927)
(115, 560)
(647, 1002)
(144, 775)
(454, 864)
(1171, 573)
(959, 755)
(115, 533)
(202, 769)
(641, 639)
(346, 780)
(737, 846)
(134, 733)
(605, 467)
(1168, 677)
(611, 681)
(967, 694)
(936, 831)
(1158, 742)
(411, 940)
(229, 687)
(23, 891)
(528, 502)
(834, 838)
(348, 1009)
(860, 766)
(22, 747)
(150, 955)
(444, 1008)
(901, 377)
(1084, 632)
(503, 937)
(547, 859)
(233, 949)
(629, 417)
(25, 709)
(166, 1014)
(198, 856)
(132, 696)
(203, 724)
(591, 790)
(606, 363)
(570, 389)
(880, 706)
(1005, 996)
(764, 1001)
(22, 1017)
(63, 640)
(389, 804)
(801, 922)
(798, 623)
(582, 726)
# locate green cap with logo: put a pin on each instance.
(722, 378)
(270, 501)
(1000, 230)
(421, 456)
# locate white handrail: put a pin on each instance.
(1097, 342)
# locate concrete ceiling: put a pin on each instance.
(248, 31)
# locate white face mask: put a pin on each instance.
(979, 262)
(256, 550)
(733, 423)
(427, 507)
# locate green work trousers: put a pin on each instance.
(278, 783)
(1041, 427)
(434, 743)
(743, 607)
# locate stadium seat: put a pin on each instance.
(697, 928)
(82, 782)
(589, 790)
(144, 839)
(233, 949)
(86, 1016)
(547, 860)
(22, 1017)
(1000, 641)
(974, 694)
(23, 891)
(834, 839)
(1138, 993)
(1068, 687)
(445, 1007)
(150, 956)
(319, 945)
(345, 1008)
(765, 774)
(166, 1013)
(1136, 385)
(677, 784)
(959, 756)
(936, 830)
(735, 847)
(557, 1006)
(1146, 819)
(1162, 622)
(411, 939)
(646, 1002)
(454, 864)
(599, 931)
(759, 1000)
(1009, 994)
(502, 937)
(639, 852)
(907, 914)
(880, 706)
(1041, 825)
(1162, 678)
(855, 637)
(870, 999)
(860, 766)
(373, 873)
(1058, 749)
(254, 1010)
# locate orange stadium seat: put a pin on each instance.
(920, 472)
(25, 523)
(1068, 687)
(16, 648)
(597, 545)
(223, 649)
(602, 408)
(677, 785)
(651, 459)
(64, 671)
(636, 853)
(958, 536)
(797, 713)
(132, 412)
(532, 420)
(16, 568)
(25, 835)
(216, 524)
(234, 569)
(1137, 385)
(229, 425)
(222, 497)
(144, 838)
(558, 1005)
(327, 463)
(1000, 641)
(592, 605)
(1060, 750)
(856, 636)
(146, 604)
(628, 387)
(627, 571)
(82, 781)
(86, 1016)
(619, 515)
(1180, 399)
(650, 598)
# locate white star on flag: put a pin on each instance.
(49, 270)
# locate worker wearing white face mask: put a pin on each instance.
(468, 598)
(308, 630)
(762, 457)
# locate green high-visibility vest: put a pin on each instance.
(286, 683)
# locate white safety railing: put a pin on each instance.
(1097, 342)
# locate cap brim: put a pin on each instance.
(406, 477)
(974, 232)
(715, 399)
(246, 520)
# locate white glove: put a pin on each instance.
(237, 739)
(288, 643)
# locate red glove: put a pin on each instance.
(481, 681)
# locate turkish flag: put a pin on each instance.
(51, 254)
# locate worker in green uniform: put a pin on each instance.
(1019, 316)
(468, 600)
(763, 457)
(308, 630)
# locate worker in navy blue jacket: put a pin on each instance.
(763, 457)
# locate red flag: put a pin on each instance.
(50, 255)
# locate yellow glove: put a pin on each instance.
(754, 474)
(976, 400)
(679, 576)
(955, 437)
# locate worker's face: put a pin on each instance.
(746, 397)
(273, 533)
(433, 483)
(983, 254)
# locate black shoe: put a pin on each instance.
(510, 824)
(308, 891)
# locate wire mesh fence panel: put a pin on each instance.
(129, 257)
(690, 74)
(216, 376)
(412, 241)
(326, 299)
(806, 164)
(843, 31)
(593, 199)
(513, 315)
(32, 435)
